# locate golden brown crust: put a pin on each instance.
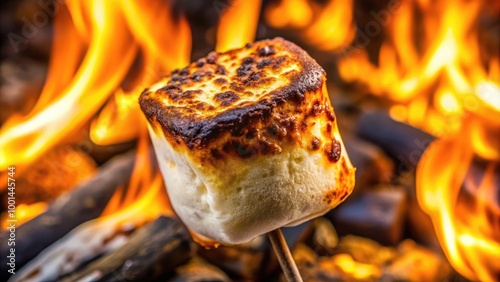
(242, 105)
(345, 184)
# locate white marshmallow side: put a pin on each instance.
(242, 199)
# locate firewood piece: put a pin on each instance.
(153, 250)
(255, 259)
(79, 205)
(199, 270)
(402, 142)
(377, 214)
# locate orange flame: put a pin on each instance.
(24, 213)
(328, 27)
(104, 53)
(468, 229)
(111, 36)
(145, 198)
(430, 88)
(237, 25)
(468, 232)
(160, 54)
(23, 141)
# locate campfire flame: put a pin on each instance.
(103, 55)
(468, 230)
(237, 25)
(145, 198)
(328, 26)
(430, 78)
(74, 91)
(24, 213)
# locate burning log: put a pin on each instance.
(83, 203)
(66, 254)
(106, 236)
(153, 250)
(402, 142)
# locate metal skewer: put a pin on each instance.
(284, 256)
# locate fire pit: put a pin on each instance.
(416, 89)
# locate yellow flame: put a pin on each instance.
(328, 27)
(333, 27)
(165, 44)
(114, 34)
(145, 194)
(92, 84)
(292, 13)
(446, 72)
(24, 213)
(237, 25)
(467, 232)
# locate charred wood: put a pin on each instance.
(153, 250)
(402, 142)
(79, 205)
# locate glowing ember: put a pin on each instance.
(347, 265)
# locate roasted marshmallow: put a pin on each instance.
(247, 141)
